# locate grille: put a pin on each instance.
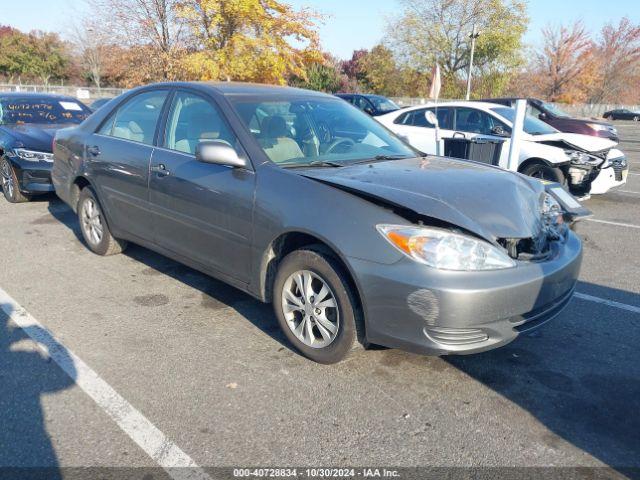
(618, 167)
(456, 336)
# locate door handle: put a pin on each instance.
(160, 169)
(93, 150)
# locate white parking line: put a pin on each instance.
(607, 222)
(604, 301)
(155, 444)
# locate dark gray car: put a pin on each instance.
(302, 200)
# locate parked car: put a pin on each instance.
(301, 200)
(99, 102)
(28, 122)
(374, 105)
(560, 120)
(622, 114)
(585, 164)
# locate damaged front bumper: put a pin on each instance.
(425, 310)
(613, 174)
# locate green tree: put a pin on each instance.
(437, 31)
(323, 77)
(47, 56)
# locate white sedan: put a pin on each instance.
(586, 164)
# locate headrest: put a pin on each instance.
(275, 127)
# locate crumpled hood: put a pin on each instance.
(585, 143)
(34, 136)
(487, 201)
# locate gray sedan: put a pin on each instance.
(300, 199)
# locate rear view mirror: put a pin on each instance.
(220, 153)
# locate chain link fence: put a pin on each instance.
(85, 94)
(595, 110)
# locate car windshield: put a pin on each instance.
(532, 125)
(47, 110)
(317, 132)
(383, 104)
(555, 110)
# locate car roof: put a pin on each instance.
(460, 103)
(242, 88)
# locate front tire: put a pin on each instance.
(10, 184)
(93, 225)
(315, 306)
(543, 171)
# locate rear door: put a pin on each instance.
(118, 156)
(201, 211)
(421, 134)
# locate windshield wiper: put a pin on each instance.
(380, 158)
(315, 163)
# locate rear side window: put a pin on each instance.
(137, 119)
(415, 118)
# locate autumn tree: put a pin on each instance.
(565, 67)
(250, 40)
(437, 31)
(617, 54)
(322, 76)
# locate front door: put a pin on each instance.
(201, 211)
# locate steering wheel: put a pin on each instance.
(337, 142)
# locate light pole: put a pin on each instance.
(473, 35)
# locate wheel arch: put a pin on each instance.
(78, 184)
(290, 241)
(535, 160)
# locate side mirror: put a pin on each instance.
(369, 110)
(499, 131)
(431, 118)
(542, 116)
(220, 153)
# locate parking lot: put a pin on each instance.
(171, 368)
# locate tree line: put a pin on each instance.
(124, 43)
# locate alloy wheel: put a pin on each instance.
(7, 179)
(92, 221)
(310, 309)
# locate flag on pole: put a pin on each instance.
(436, 83)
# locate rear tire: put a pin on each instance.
(542, 171)
(328, 308)
(10, 184)
(93, 225)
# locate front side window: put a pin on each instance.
(363, 104)
(532, 125)
(41, 110)
(137, 119)
(383, 104)
(304, 132)
(193, 119)
(476, 121)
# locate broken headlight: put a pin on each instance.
(444, 249)
(553, 217)
(581, 158)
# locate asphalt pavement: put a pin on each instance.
(151, 364)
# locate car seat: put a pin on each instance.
(276, 142)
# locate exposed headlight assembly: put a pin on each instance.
(581, 158)
(445, 250)
(33, 155)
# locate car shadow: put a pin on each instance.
(215, 294)
(579, 375)
(26, 375)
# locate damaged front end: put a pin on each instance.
(582, 170)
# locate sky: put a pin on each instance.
(351, 24)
